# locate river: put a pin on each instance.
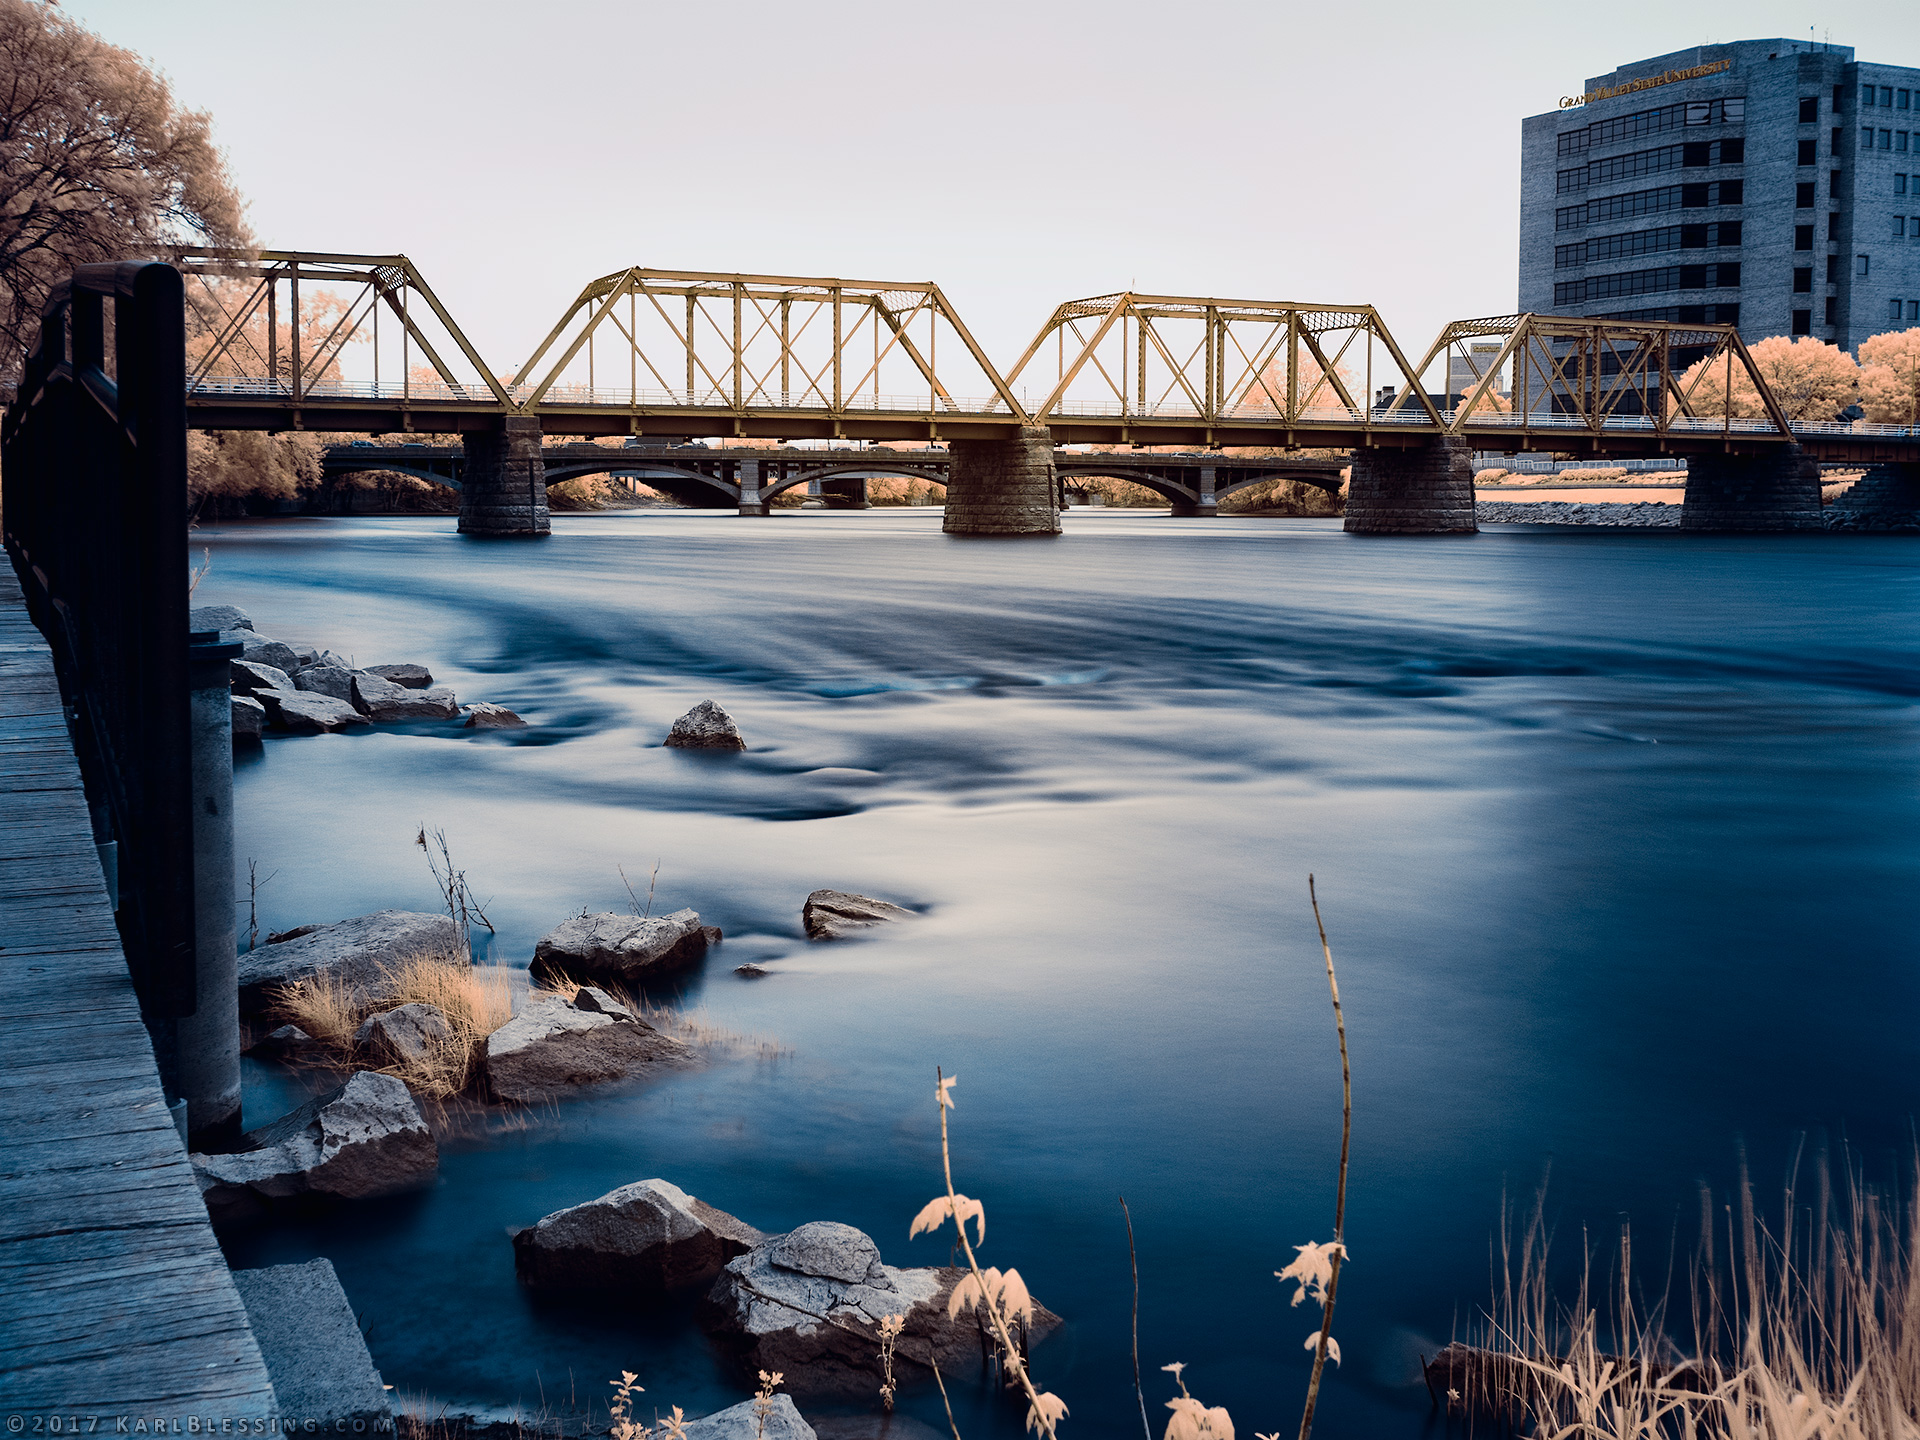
(1614, 837)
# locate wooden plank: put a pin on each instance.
(114, 1296)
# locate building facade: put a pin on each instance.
(1770, 184)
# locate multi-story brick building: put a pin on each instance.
(1772, 184)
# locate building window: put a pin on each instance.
(1899, 142)
(1729, 192)
(1913, 310)
(1866, 94)
(1866, 137)
(1803, 237)
(1809, 109)
(1899, 184)
(1731, 111)
(1886, 95)
(1833, 309)
(1896, 308)
(1833, 269)
(1833, 226)
(1833, 183)
(1862, 265)
(1803, 280)
(1833, 141)
(1886, 139)
(1803, 322)
(1732, 152)
(1803, 195)
(1899, 227)
(1809, 152)
(1900, 100)
(1839, 98)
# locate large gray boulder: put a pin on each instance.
(551, 1047)
(385, 701)
(413, 677)
(218, 617)
(363, 1139)
(247, 676)
(265, 650)
(743, 1422)
(624, 948)
(308, 712)
(836, 914)
(706, 727)
(356, 950)
(650, 1235)
(326, 680)
(316, 1356)
(809, 1303)
(249, 717)
(405, 1035)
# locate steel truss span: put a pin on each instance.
(308, 340)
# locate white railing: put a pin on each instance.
(430, 391)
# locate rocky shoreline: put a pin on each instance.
(1654, 513)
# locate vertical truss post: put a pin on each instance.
(739, 292)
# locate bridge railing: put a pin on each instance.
(95, 515)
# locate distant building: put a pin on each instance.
(1466, 371)
(1772, 184)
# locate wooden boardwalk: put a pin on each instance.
(114, 1298)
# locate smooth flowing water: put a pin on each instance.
(1614, 835)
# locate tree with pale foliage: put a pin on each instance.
(226, 467)
(97, 163)
(1890, 378)
(1810, 379)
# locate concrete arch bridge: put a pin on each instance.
(750, 477)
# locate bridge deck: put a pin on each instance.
(114, 1298)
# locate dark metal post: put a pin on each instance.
(209, 1039)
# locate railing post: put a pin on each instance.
(208, 1044)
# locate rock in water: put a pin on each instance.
(743, 1422)
(365, 1138)
(326, 680)
(551, 1047)
(355, 950)
(413, 677)
(218, 617)
(405, 1035)
(650, 1235)
(249, 718)
(262, 650)
(385, 701)
(289, 1042)
(624, 948)
(308, 711)
(836, 914)
(247, 676)
(482, 716)
(316, 1356)
(810, 1302)
(706, 727)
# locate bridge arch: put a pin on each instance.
(937, 474)
(685, 484)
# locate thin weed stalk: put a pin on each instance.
(1340, 1194)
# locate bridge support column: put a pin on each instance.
(1776, 491)
(1206, 505)
(1003, 487)
(1424, 491)
(750, 476)
(1887, 497)
(504, 488)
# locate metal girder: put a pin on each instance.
(750, 345)
(1596, 371)
(243, 345)
(1184, 359)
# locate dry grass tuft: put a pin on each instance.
(476, 1003)
(691, 1027)
(1812, 1333)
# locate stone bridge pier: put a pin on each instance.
(1425, 490)
(503, 487)
(1207, 505)
(1003, 487)
(1779, 490)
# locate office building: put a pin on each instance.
(1771, 184)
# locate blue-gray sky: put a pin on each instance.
(1018, 153)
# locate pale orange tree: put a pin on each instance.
(1890, 377)
(1810, 379)
(97, 163)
